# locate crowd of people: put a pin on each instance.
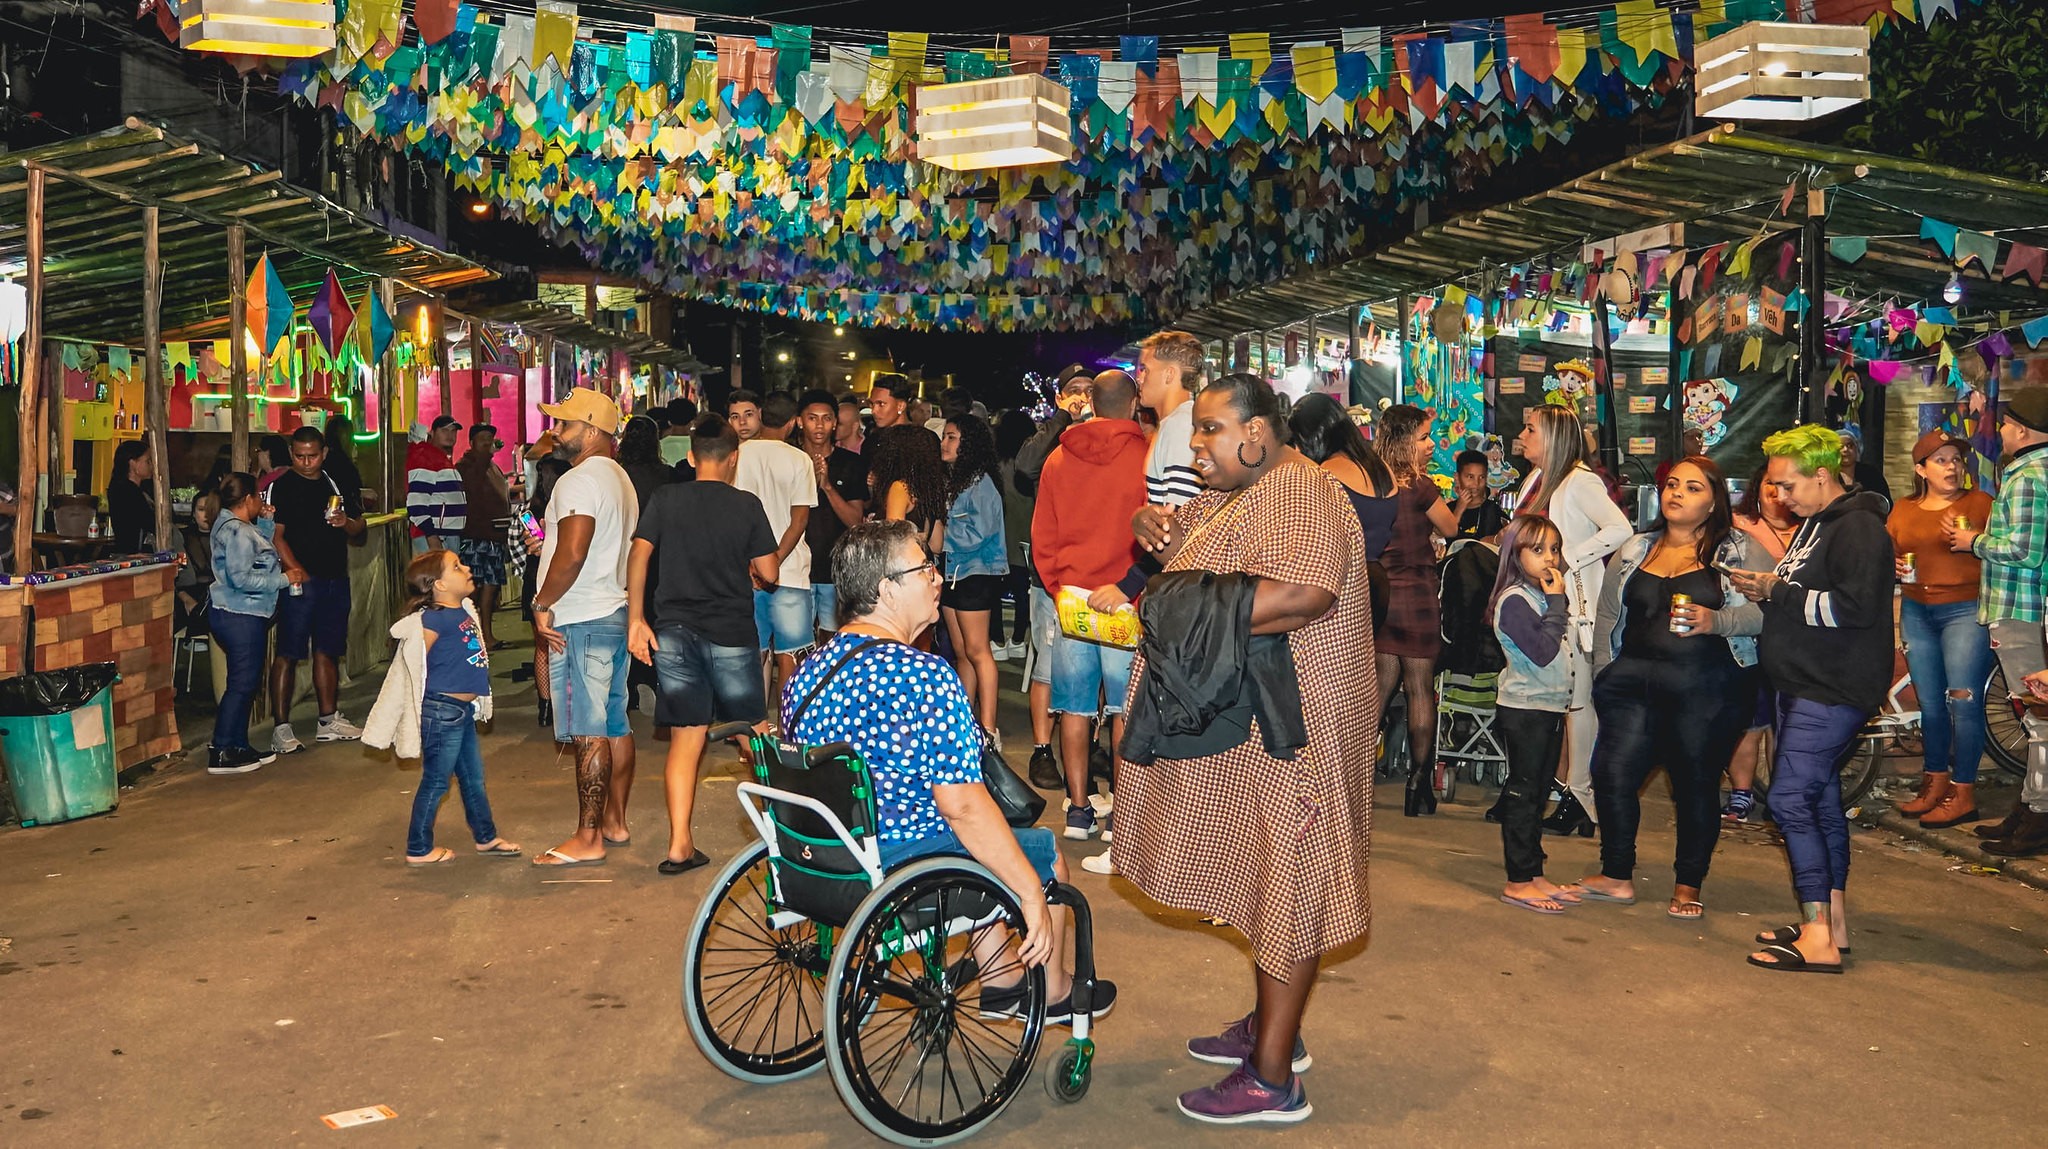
(852, 564)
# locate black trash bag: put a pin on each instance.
(51, 692)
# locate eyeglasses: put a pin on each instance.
(926, 565)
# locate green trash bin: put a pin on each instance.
(57, 743)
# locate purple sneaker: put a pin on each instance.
(1234, 1047)
(1242, 1098)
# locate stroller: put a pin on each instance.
(1468, 670)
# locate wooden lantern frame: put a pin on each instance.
(1768, 70)
(1006, 122)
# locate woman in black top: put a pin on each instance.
(1325, 433)
(130, 502)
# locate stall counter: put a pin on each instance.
(121, 616)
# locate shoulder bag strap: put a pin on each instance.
(865, 644)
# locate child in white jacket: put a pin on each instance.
(438, 689)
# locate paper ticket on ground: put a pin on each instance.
(349, 1118)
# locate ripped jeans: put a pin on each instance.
(1949, 654)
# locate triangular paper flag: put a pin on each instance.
(330, 315)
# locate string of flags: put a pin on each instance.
(780, 174)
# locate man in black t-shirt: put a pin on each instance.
(842, 500)
(712, 545)
(315, 521)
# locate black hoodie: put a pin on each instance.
(1828, 625)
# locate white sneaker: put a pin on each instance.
(995, 740)
(1105, 815)
(1099, 864)
(283, 741)
(337, 728)
(1002, 651)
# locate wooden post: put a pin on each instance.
(1813, 350)
(1353, 375)
(155, 406)
(31, 385)
(238, 352)
(441, 360)
(390, 446)
(1603, 383)
(1402, 303)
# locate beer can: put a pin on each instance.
(1962, 522)
(1678, 626)
(1911, 575)
(334, 504)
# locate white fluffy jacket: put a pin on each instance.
(394, 721)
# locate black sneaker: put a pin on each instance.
(1045, 770)
(236, 760)
(1061, 1012)
(1099, 763)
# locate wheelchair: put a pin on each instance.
(805, 953)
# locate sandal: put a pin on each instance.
(1592, 895)
(558, 858)
(1535, 903)
(1792, 961)
(1676, 908)
(435, 857)
(499, 848)
(670, 866)
(1785, 936)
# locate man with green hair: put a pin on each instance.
(1827, 647)
(2014, 547)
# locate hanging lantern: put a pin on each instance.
(1009, 122)
(1766, 70)
(287, 28)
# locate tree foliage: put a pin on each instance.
(1972, 93)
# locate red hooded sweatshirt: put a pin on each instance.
(1092, 484)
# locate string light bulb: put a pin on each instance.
(1953, 292)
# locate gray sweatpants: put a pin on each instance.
(2021, 651)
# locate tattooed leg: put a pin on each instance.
(593, 783)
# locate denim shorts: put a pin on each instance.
(317, 617)
(1045, 630)
(1038, 845)
(1081, 668)
(700, 682)
(588, 680)
(783, 616)
(825, 606)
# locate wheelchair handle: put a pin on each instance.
(731, 730)
(818, 756)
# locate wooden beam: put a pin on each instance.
(238, 351)
(27, 520)
(155, 407)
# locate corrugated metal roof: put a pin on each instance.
(92, 233)
(1724, 184)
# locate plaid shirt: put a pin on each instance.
(2014, 544)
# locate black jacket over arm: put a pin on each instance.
(1207, 675)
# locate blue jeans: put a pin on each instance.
(700, 682)
(782, 619)
(1084, 671)
(1037, 843)
(1806, 792)
(1948, 649)
(448, 746)
(239, 639)
(588, 680)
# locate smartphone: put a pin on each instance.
(1724, 568)
(532, 527)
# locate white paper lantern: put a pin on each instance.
(1765, 70)
(289, 28)
(1009, 122)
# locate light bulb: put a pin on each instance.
(1953, 293)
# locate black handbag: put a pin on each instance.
(1019, 801)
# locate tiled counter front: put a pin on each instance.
(122, 617)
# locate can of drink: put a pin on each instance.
(1910, 574)
(1962, 522)
(1678, 625)
(333, 507)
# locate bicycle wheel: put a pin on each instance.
(2006, 735)
(1857, 766)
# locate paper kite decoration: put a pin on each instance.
(269, 316)
(372, 327)
(331, 314)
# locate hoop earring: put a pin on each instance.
(1251, 464)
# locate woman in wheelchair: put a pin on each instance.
(907, 714)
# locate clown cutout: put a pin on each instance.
(1706, 409)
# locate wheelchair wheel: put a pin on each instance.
(752, 991)
(908, 1046)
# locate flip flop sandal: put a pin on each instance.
(564, 861)
(697, 858)
(1592, 895)
(1792, 961)
(1571, 895)
(499, 848)
(1785, 936)
(440, 854)
(614, 843)
(1529, 903)
(1671, 911)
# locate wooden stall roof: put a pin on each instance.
(547, 319)
(97, 186)
(1723, 184)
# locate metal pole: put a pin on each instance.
(155, 406)
(441, 361)
(389, 453)
(31, 386)
(1603, 382)
(238, 353)
(1812, 405)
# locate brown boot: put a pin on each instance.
(2005, 827)
(2029, 840)
(1958, 806)
(1933, 788)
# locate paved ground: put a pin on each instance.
(226, 959)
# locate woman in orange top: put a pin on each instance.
(1947, 650)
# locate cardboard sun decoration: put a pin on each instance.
(1009, 122)
(291, 28)
(1772, 71)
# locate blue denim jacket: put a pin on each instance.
(1739, 621)
(246, 573)
(974, 533)
(1525, 685)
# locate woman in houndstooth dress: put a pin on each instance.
(1276, 848)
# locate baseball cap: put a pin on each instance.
(2029, 406)
(441, 421)
(585, 405)
(1935, 440)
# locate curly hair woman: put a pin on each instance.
(906, 477)
(977, 562)
(1407, 645)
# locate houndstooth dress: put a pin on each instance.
(1277, 849)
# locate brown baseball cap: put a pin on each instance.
(585, 405)
(2029, 406)
(1935, 440)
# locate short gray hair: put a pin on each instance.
(866, 556)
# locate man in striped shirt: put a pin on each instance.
(435, 501)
